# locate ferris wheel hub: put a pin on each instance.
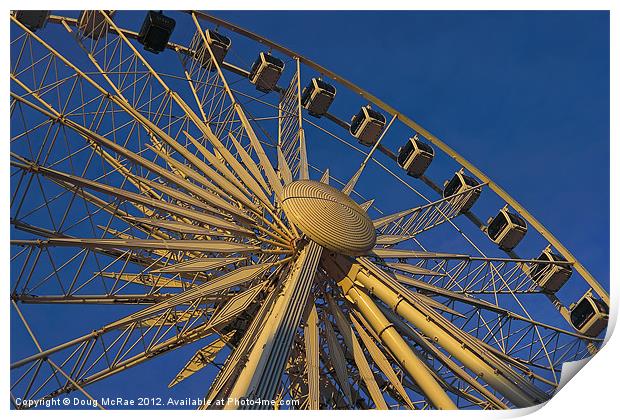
(329, 217)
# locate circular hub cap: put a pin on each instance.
(329, 217)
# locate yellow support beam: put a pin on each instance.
(418, 371)
(459, 344)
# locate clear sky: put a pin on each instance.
(523, 95)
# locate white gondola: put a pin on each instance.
(32, 19)
(367, 126)
(156, 31)
(506, 229)
(551, 277)
(458, 185)
(317, 97)
(589, 316)
(415, 156)
(266, 72)
(93, 24)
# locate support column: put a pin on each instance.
(418, 371)
(499, 376)
(261, 375)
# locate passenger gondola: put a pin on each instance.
(367, 126)
(219, 45)
(415, 156)
(506, 229)
(32, 19)
(156, 31)
(458, 185)
(317, 97)
(551, 277)
(589, 316)
(266, 72)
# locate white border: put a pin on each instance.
(593, 395)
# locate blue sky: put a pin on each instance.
(523, 95)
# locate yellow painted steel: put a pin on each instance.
(380, 360)
(303, 155)
(236, 305)
(235, 165)
(337, 359)
(283, 168)
(432, 138)
(311, 342)
(355, 349)
(496, 374)
(249, 163)
(278, 329)
(216, 200)
(198, 265)
(405, 329)
(204, 128)
(272, 178)
(145, 279)
(328, 217)
(418, 371)
(201, 359)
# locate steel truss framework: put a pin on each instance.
(132, 186)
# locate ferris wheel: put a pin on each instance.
(207, 189)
